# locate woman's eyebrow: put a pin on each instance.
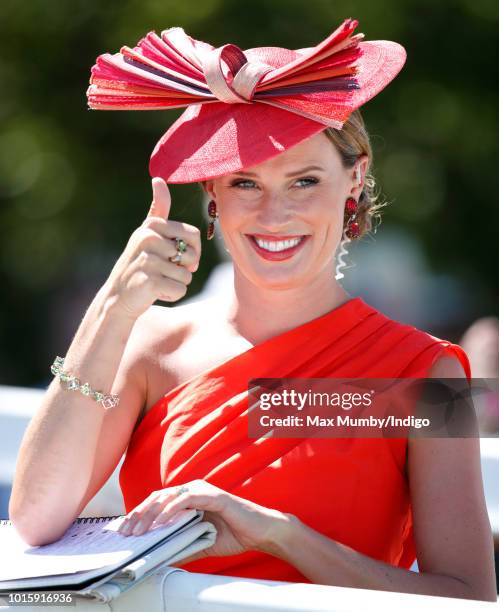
(290, 174)
(304, 170)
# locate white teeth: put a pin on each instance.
(277, 245)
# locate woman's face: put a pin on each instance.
(298, 197)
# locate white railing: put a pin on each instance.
(192, 592)
(172, 590)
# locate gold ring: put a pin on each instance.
(177, 258)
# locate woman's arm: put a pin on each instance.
(325, 561)
(58, 450)
(73, 444)
(451, 528)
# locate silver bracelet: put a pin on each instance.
(73, 384)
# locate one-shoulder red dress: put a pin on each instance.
(352, 490)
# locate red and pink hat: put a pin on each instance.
(243, 107)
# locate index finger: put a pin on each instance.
(178, 229)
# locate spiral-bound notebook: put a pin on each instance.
(92, 552)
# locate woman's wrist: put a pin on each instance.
(100, 339)
(107, 306)
(280, 534)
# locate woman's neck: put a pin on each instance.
(258, 314)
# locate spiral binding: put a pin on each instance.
(79, 521)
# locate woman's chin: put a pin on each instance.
(277, 275)
(276, 279)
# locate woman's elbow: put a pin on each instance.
(34, 533)
(488, 593)
(485, 595)
(485, 590)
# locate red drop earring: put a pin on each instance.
(352, 229)
(212, 212)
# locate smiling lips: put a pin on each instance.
(276, 248)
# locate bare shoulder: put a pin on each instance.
(447, 366)
(162, 328)
(164, 340)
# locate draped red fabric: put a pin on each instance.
(352, 490)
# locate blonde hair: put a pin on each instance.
(351, 142)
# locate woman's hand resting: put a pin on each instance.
(144, 272)
(241, 525)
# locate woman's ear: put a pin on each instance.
(358, 175)
(208, 187)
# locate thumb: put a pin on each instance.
(161, 200)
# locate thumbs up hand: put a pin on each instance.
(144, 272)
(161, 199)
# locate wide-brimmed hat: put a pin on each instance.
(243, 107)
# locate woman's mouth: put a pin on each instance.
(276, 249)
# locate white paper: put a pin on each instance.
(84, 546)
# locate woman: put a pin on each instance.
(283, 155)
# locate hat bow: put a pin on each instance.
(240, 83)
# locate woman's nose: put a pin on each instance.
(273, 213)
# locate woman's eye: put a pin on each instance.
(246, 184)
(249, 184)
(307, 181)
